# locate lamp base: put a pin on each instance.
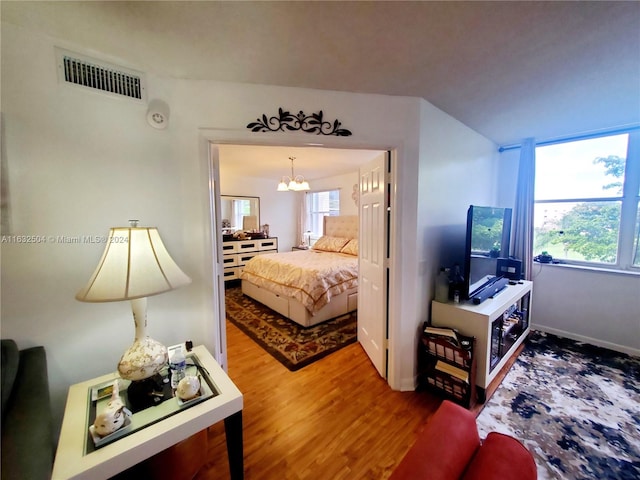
(146, 393)
(143, 359)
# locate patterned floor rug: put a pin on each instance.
(291, 344)
(575, 406)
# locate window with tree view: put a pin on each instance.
(319, 205)
(586, 201)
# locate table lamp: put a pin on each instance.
(135, 265)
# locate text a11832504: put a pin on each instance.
(61, 239)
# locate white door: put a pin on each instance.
(219, 334)
(372, 275)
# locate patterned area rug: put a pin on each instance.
(575, 406)
(291, 344)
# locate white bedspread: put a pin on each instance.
(309, 276)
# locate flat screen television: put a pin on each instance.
(488, 238)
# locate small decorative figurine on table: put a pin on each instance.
(188, 388)
(113, 416)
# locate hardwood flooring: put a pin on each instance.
(334, 419)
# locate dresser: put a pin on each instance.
(238, 252)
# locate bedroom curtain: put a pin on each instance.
(301, 226)
(523, 226)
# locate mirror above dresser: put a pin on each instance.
(239, 213)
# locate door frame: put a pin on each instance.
(209, 139)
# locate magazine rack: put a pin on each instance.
(447, 366)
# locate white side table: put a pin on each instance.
(73, 462)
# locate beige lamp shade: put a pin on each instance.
(135, 264)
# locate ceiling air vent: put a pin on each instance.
(98, 75)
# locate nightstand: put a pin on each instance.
(152, 430)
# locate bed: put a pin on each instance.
(309, 286)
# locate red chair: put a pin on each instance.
(449, 448)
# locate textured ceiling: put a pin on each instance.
(509, 70)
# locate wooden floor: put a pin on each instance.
(334, 419)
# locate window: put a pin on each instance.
(586, 201)
(319, 205)
(239, 209)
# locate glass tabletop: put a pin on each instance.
(160, 402)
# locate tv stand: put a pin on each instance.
(499, 324)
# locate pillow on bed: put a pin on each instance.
(330, 244)
(351, 248)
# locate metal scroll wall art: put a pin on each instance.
(314, 123)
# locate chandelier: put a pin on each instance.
(295, 183)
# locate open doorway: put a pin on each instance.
(255, 170)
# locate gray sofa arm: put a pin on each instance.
(27, 431)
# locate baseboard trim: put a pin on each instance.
(409, 384)
(592, 341)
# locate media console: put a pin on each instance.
(499, 324)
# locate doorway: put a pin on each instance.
(217, 159)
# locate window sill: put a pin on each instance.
(615, 271)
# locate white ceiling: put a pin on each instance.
(273, 162)
(509, 70)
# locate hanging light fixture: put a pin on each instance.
(295, 183)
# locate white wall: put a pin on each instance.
(595, 306)
(345, 183)
(78, 163)
(458, 168)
